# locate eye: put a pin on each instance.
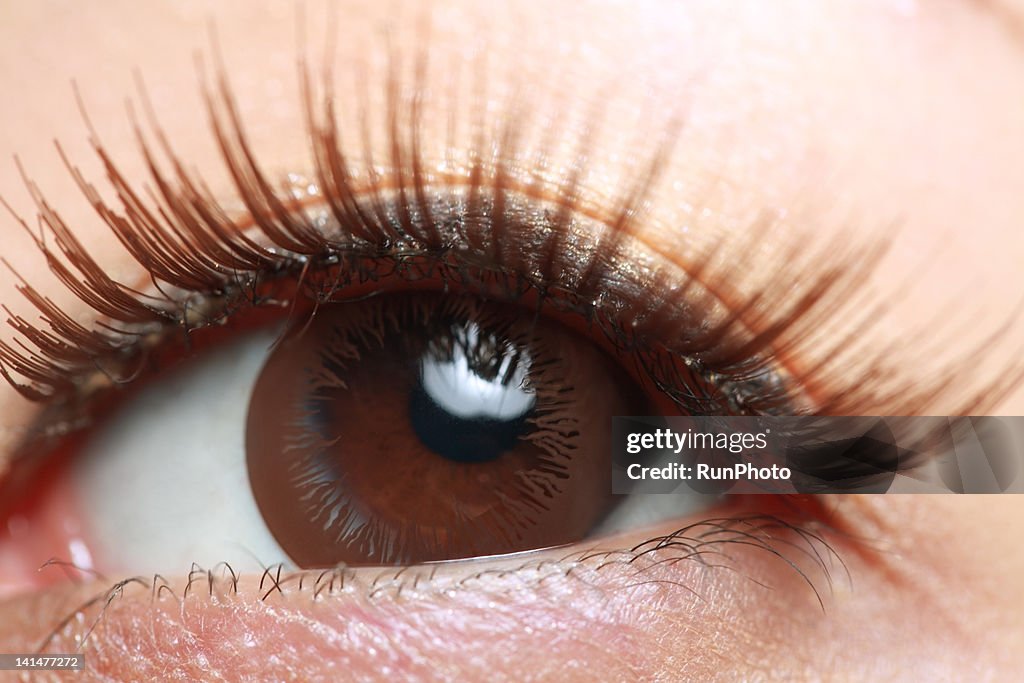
(446, 359)
(401, 406)
(415, 361)
(419, 403)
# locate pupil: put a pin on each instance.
(469, 404)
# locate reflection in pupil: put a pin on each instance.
(470, 403)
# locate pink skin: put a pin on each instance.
(467, 622)
(842, 113)
(52, 528)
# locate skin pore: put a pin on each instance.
(870, 114)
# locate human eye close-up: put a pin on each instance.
(531, 341)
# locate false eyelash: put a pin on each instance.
(204, 263)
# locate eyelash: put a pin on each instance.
(55, 358)
(193, 245)
(703, 344)
(809, 549)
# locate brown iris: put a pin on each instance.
(417, 427)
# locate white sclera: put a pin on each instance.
(646, 509)
(163, 482)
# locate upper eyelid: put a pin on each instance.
(630, 203)
(39, 198)
(616, 228)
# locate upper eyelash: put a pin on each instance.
(58, 361)
(189, 241)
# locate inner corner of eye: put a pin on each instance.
(405, 427)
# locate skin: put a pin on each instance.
(839, 113)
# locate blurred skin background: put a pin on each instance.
(837, 113)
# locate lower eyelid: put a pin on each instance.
(705, 577)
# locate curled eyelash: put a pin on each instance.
(462, 221)
(711, 545)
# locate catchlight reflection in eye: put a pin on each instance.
(418, 427)
(466, 411)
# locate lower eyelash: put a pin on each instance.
(710, 544)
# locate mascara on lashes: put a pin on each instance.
(540, 246)
(348, 263)
(495, 226)
(191, 244)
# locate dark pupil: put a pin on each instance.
(469, 403)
